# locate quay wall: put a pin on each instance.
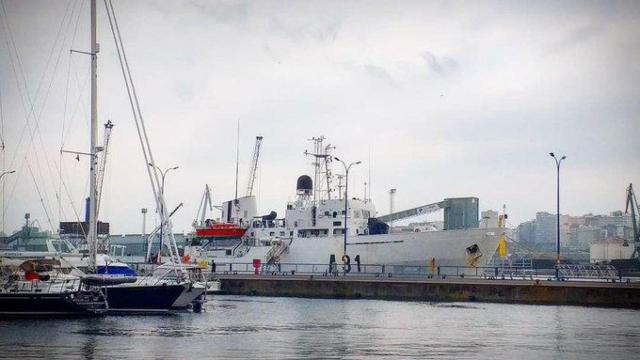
(605, 294)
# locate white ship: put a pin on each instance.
(312, 231)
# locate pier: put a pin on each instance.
(536, 291)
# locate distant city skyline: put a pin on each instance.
(437, 99)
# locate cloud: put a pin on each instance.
(576, 37)
(226, 11)
(368, 75)
(442, 66)
(378, 72)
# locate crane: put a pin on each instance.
(632, 204)
(205, 202)
(254, 165)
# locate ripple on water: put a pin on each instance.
(287, 328)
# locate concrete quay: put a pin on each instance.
(541, 292)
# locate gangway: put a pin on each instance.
(587, 271)
(278, 248)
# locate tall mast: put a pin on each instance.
(92, 237)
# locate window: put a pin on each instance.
(281, 233)
(60, 246)
(272, 233)
(326, 213)
(335, 213)
(337, 223)
(337, 232)
(228, 252)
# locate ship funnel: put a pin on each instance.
(304, 185)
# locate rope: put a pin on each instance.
(146, 147)
(32, 102)
(44, 207)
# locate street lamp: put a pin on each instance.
(346, 198)
(163, 174)
(7, 172)
(558, 162)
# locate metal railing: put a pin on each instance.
(54, 286)
(495, 272)
(376, 270)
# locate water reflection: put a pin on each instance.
(271, 328)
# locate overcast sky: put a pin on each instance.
(437, 99)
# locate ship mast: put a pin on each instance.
(322, 173)
(92, 236)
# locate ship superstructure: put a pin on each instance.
(312, 231)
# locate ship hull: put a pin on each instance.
(189, 295)
(142, 298)
(41, 305)
(444, 248)
(426, 249)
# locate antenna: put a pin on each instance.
(365, 192)
(369, 197)
(322, 172)
(237, 158)
(392, 195)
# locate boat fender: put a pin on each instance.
(347, 263)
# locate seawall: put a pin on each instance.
(605, 294)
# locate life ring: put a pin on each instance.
(346, 260)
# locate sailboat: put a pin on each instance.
(122, 293)
(46, 287)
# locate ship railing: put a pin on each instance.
(389, 271)
(53, 286)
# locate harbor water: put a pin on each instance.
(236, 327)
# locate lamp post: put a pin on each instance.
(1, 175)
(144, 233)
(163, 174)
(7, 172)
(346, 198)
(558, 162)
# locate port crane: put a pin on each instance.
(205, 202)
(632, 205)
(254, 165)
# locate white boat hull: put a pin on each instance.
(432, 248)
(447, 248)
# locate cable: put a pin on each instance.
(24, 94)
(44, 207)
